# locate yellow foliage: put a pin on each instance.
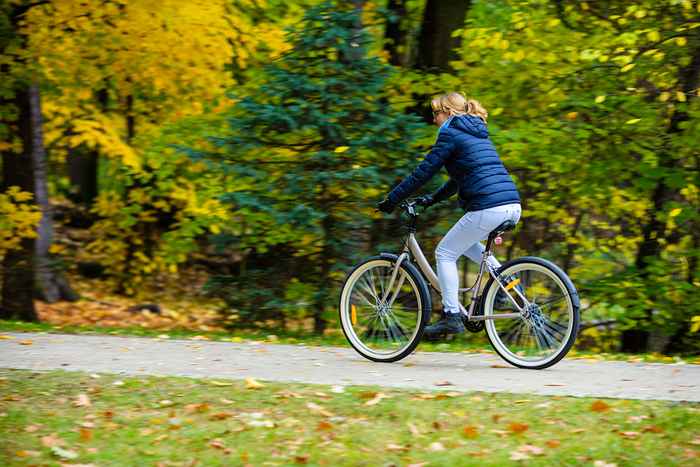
(18, 218)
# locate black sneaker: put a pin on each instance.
(451, 323)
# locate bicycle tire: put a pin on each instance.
(424, 305)
(570, 294)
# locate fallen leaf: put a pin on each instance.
(436, 447)
(202, 407)
(652, 429)
(470, 431)
(420, 464)
(32, 428)
(220, 416)
(522, 401)
(82, 401)
(301, 459)
(599, 406)
(220, 383)
(413, 429)
(324, 425)
(166, 403)
(396, 447)
(498, 365)
(517, 428)
(603, 464)
(443, 383)
(317, 408)
(6, 337)
(251, 383)
(530, 449)
(376, 399)
(495, 417)
(217, 444)
(25, 342)
(629, 434)
(518, 456)
(85, 434)
(64, 453)
(552, 443)
(52, 440)
(25, 453)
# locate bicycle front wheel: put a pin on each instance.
(548, 304)
(384, 322)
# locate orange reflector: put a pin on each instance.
(353, 314)
(513, 284)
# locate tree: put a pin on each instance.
(308, 148)
(592, 105)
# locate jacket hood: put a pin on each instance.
(475, 126)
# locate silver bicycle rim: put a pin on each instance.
(494, 335)
(345, 313)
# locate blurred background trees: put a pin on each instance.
(250, 140)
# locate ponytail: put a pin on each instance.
(454, 103)
(473, 107)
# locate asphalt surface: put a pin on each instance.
(342, 366)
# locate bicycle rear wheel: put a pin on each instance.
(384, 329)
(549, 320)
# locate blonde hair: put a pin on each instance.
(455, 103)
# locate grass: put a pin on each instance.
(76, 418)
(467, 343)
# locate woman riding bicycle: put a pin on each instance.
(486, 192)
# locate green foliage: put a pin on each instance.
(312, 148)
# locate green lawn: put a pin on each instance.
(76, 418)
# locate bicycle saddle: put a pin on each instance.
(503, 227)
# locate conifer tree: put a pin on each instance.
(317, 144)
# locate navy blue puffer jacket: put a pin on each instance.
(476, 172)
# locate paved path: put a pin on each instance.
(333, 365)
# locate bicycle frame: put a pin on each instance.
(411, 247)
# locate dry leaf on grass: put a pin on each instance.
(530, 449)
(64, 453)
(317, 408)
(470, 431)
(376, 399)
(436, 447)
(25, 342)
(396, 447)
(324, 425)
(251, 383)
(599, 406)
(443, 383)
(82, 401)
(52, 440)
(552, 443)
(518, 428)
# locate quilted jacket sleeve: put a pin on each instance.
(445, 191)
(433, 162)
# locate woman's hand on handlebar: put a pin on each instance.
(425, 200)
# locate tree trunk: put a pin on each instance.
(83, 165)
(51, 285)
(395, 35)
(436, 46)
(18, 264)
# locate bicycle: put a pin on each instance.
(385, 304)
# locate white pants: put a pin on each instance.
(464, 238)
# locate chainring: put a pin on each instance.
(475, 326)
